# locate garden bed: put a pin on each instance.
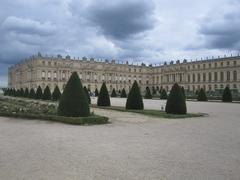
(43, 111)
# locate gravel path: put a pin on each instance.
(132, 146)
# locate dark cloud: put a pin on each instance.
(122, 19)
(222, 31)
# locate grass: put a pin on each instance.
(35, 110)
(152, 113)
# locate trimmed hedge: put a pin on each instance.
(227, 95)
(32, 93)
(134, 100)
(103, 97)
(202, 95)
(123, 93)
(163, 94)
(73, 102)
(114, 94)
(47, 94)
(148, 94)
(26, 93)
(176, 103)
(56, 95)
(38, 93)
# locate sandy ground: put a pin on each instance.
(131, 147)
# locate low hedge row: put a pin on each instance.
(93, 119)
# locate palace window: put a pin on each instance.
(204, 77)
(209, 77)
(199, 77)
(234, 63)
(215, 65)
(49, 75)
(235, 75)
(228, 76)
(43, 74)
(215, 76)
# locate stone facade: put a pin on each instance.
(212, 75)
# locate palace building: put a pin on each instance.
(210, 74)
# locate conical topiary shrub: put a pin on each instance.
(21, 92)
(87, 94)
(103, 97)
(47, 94)
(56, 94)
(148, 94)
(183, 92)
(123, 93)
(202, 95)
(227, 95)
(96, 92)
(39, 93)
(134, 100)
(163, 94)
(32, 93)
(73, 102)
(176, 103)
(26, 93)
(114, 94)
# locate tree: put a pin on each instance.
(21, 92)
(26, 93)
(32, 93)
(56, 94)
(183, 92)
(134, 100)
(163, 94)
(73, 102)
(227, 95)
(96, 92)
(176, 103)
(148, 94)
(87, 94)
(103, 97)
(39, 93)
(123, 93)
(202, 95)
(114, 94)
(47, 94)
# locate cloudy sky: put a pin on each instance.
(150, 31)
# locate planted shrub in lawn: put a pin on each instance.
(202, 95)
(56, 94)
(96, 92)
(39, 93)
(134, 100)
(73, 102)
(87, 94)
(163, 94)
(103, 97)
(123, 93)
(114, 94)
(227, 95)
(47, 94)
(26, 93)
(176, 103)
(21, 92)
(148, 94)
(32, 93)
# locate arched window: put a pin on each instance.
(193, 77)
(215, 76)
(222, 76)
(228, 76)
(235, 75)
(209, 77)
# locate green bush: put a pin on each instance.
(176, 103)
(87, 94)
(148, 94)
(73, 102)
(96, 92)
(103, 97)
(32, 93)
(47, 94)
(183, 92)
(39, 93)
(114, 94)
(134, 100)
(26, 93)
(21, 94)
(123, 93)
(56, 94)
(227, 95)
(202, 95)
(163, 94)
